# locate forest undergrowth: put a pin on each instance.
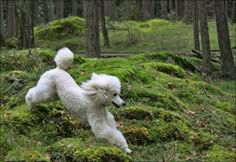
(171, 113)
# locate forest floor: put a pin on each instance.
(171, 113)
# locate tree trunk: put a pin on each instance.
(92, 28)
(25, 29)
(148, 10)
(36, 12)
(45, 12)
(103, 25)
(11, 18)
(206, 49)
(139, 6)
(51, 10)
(180, 9)
(188, 10)
(234, 12)
(2, 40)
(59, 9)
(196, 25)
(2, 24)
(74, 7)
(228, 68)
(171, 5)
(157, 9)
(164, 11)
(109, 9)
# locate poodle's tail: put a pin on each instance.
(64, 58)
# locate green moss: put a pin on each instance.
(27, 60)
(147, 113)
(136, 135)
(147, 26)
(221, 154)
(73, 149)
(19, 118)
(120, 67)
(137, 113)
(167, 68)
(102, 154)
(27, 154)
(165, 131)
(167, 57)
(11, 42)
(59, 29)
(67, 32)
(164, 109)
(52, 122)
(152, 97)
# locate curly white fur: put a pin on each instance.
(87, 103)
(45, 89)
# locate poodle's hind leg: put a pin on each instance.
(39, 95)
(29, 99)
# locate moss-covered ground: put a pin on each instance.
(171, 114)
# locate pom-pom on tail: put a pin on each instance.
(64, 58)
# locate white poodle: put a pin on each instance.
(87, 103)
(45, 90)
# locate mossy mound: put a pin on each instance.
(26, 60)
(171, 113)
(167, 68)
(120, 67)
(147, 26)
(67, 32)
(166, 57)
(73, 149)
(59, 29)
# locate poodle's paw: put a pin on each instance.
(32, 107)
(128, 151)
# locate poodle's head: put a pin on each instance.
(104, 89)
(64, 58)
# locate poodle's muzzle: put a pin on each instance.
(118, 102)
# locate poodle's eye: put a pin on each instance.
(115, 94)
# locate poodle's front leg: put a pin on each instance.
(102, 130)
(117, 138)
